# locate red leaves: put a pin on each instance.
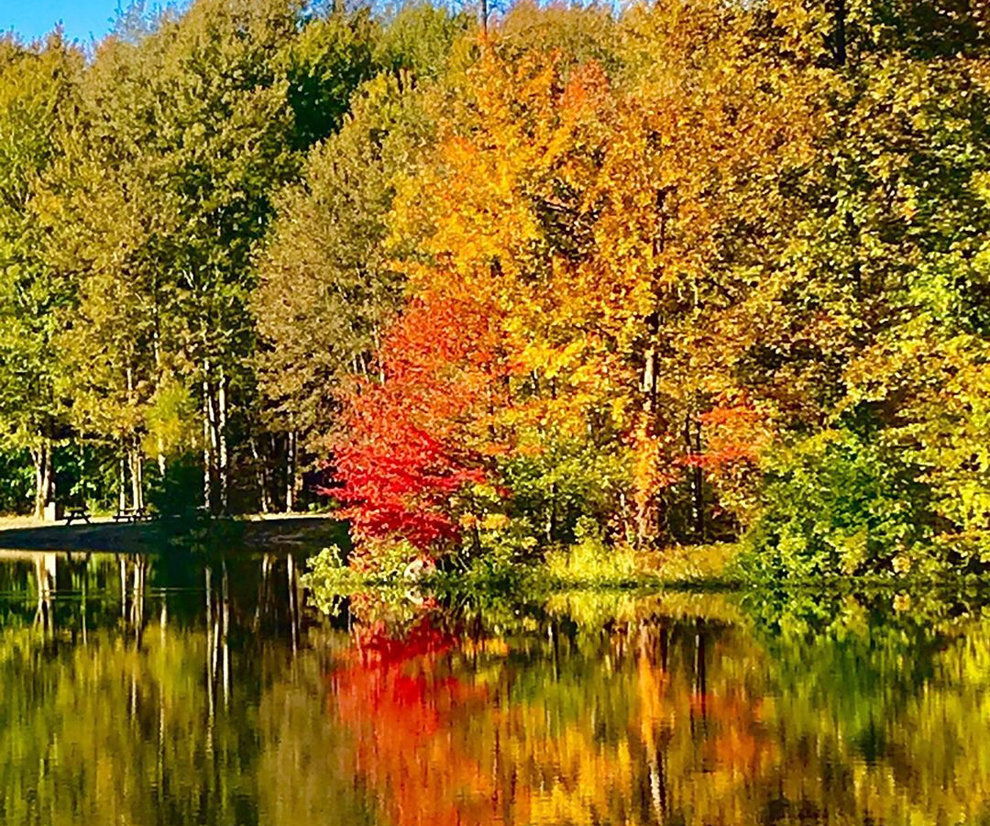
(735, 432)
(408, 446)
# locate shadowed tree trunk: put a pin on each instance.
(223, 465)
(261, 476)
(839, 32)
(692, 439)
(290, 470)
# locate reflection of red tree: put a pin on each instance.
(437, 750)
(400, 702)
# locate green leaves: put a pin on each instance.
(837, 504)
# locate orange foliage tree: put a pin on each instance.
(610, 228)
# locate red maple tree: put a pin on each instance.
(409, 445)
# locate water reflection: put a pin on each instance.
(178, 689)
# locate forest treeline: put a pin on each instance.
(675, 272)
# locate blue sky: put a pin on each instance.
(81, 18)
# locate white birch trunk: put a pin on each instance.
(290, 471)
(223, 467)
(209, 438)
(42, 457)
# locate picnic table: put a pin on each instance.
(132, 515)
(77, 512)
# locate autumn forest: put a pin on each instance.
(491, 283)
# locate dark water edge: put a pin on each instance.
(208, 689)
(300, 533)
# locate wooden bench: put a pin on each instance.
(132, 515)
(80, 512)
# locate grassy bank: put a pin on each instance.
(593, 567)
(583, 566)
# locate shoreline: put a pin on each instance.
(252, 532)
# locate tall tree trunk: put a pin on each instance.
(159, 377)
(551, 524)
(223, 466)
(290, 471)
(137, 474)
(209, 439)
(647, 502)
(134, 454)
(261, 475)
(207, 455)
(162, 465)
(122, 486)
(42, 457)
(692, 438)
(839, 51)
(648, 507)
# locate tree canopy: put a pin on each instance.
(675, 272)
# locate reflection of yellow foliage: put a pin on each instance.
(665, 707)
(592, 609)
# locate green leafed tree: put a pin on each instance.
(328, 283)
(38, 88)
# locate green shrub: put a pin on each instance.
(16, 480)
(836, 504)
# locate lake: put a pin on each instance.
(183, 689)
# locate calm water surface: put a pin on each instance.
(185, 690)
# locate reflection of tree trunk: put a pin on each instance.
(700, 685)
(45, 570)
(225, 632)
(264, 590)
(160, 755)
(658, 784)
(556, 652)
(209, 650)
(291, 571)
(123, 586)
(140, 564)
(84, 599)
